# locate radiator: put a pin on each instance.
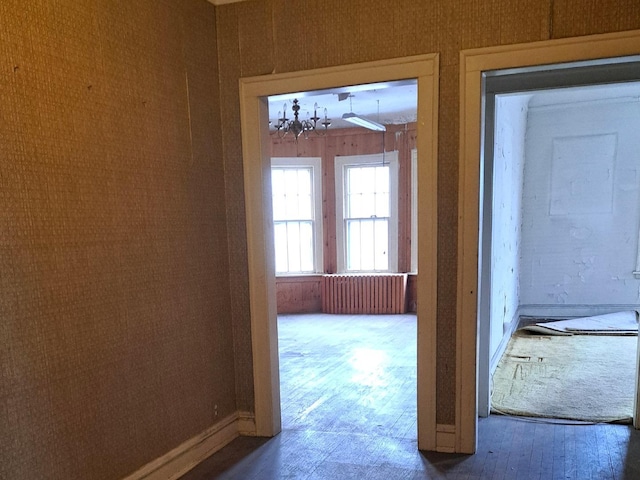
(362, 293)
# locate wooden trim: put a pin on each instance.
(254, 113)
(548, 52)
(256, 154)
(246, 424)
(427, 278)
(636, 400)
(330, 77)
(446, 438)
(472, 64)
(186, 456)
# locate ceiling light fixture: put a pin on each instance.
(363, 122)
(300, 127)
(358, 120)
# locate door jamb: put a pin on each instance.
(472, 64)
(257, 191)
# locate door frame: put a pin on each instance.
(472, 65)
(257, 193)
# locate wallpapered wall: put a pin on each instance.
(115, 324)
(123, 291)
(261, 37)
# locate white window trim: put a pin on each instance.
(315, 163)
(389, 158)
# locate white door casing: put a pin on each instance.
(257, 189)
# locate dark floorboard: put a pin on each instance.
(348, 409)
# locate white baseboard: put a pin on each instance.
(186, 456)
(511, 327)
(246, 424)
(445, 438)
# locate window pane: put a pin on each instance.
(293, 244)
(382, 206)
(304, 207)
(382, 179)
(277, 189)
(381, 253)
(280, 230)
(306, 246)
(367, 244)
(367, 192)
(367, 177)
(304, 181)
(304, 193)
(382, 191)
(353, 245)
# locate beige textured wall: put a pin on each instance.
(115, 318)
(263, 36)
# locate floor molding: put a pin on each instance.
(511, 327)
(246, 424)
(445, 438)
(183, 458)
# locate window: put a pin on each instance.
(367, 212)
(297, 219)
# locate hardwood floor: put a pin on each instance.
(348, 388)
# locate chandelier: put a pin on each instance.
(300, 127)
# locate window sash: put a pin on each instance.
(367, 244)
(294, 246)
(382, 256)
(297, 216)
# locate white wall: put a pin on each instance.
(581, 208)
(508, 166)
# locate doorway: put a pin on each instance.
(553, 204)
(338, 372)
(474, 65)
(256, 162)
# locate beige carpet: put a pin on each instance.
(578, 377)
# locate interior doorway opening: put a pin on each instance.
(260, 233)
(339, 372)
(549, 204)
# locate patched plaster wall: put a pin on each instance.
(581, 206)
(508, 167)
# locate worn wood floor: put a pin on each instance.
(348, 388)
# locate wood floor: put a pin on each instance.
(348, 388)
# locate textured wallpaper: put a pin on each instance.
(115, 321)
(124, 318)
(274, 36)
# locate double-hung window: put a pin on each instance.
(367, 212)
(297, 219)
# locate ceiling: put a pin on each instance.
(614, 91)
(396, 102)
(387, 103)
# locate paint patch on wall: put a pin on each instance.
(628, 181)
(582, 174)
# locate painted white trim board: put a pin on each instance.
(472, 65)
(255, 155)
(175, 463)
